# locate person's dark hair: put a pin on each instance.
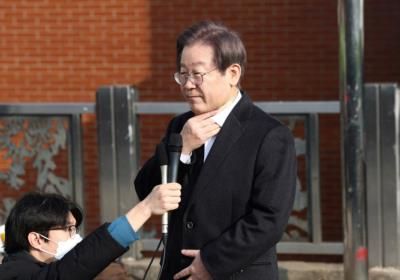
(227, 46)
(37, 212)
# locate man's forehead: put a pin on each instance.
(193, 64)
(197, 55)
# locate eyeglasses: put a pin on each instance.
(196, 78)
(72, 229)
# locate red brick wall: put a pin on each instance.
(382, 41)
(62, 51)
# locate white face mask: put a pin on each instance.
(63, 247)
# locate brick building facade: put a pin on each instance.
(62, 51)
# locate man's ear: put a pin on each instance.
(34, 240)
(234, 72)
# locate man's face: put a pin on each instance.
(215, 90)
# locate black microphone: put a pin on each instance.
(162, 156)
(174, 154)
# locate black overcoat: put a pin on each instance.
(237, 209)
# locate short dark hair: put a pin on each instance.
(37, 212)
(227, 46)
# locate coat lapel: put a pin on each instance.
(231, 131)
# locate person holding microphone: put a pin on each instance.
(42, 239)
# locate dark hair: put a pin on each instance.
(37, 212)
(227, 46)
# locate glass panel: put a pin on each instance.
(34, 156)
(298, 226)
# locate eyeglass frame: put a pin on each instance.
(191, 76)
(72, 229)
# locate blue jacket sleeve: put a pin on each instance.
(122, 232)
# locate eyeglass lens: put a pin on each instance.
(72, 230)
(182, 79)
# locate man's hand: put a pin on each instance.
(194, 271)
(197, 130)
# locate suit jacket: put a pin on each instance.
(237, 209)
(83, 262)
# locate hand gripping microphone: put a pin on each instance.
(174, 154)
(162, 156)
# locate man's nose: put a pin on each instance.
(189, 83)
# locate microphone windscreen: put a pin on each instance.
(175, 142)
(162, 154)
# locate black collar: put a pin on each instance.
(22, 256)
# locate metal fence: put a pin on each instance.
(117, 110)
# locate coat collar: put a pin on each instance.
(22, 256)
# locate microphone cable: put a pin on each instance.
(163, 239)
(164, 255)
(161, 153)
(152, 259)
(158, 246)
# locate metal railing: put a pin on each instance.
(113, 199)
(381, 206)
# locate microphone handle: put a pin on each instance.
(164, 220)
(173, 167)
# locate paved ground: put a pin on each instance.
(288, 270)
(115, 271)
(131, 269)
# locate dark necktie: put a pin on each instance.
(197, 165)
(192, 175)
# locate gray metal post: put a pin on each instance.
(76, 163)
(382, 166)
(117, 132)
(351, 51)
(118, 152)
(314, 199)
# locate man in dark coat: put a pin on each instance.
(42, 228)
(237, 169)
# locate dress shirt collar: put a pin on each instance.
(222, 115)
